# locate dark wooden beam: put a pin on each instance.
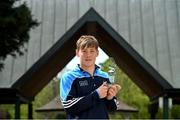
(10, 96)
(131, 67)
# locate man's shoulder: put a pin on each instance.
(74, 73)
(102, 73)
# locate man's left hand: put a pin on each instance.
(112, 91)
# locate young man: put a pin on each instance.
(84, 91)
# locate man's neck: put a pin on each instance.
(90, 70)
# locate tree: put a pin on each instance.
(130, 92)
(15, 24)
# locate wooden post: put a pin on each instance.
(165, 107)
(30, 111)
(17, 109)
(153, 109)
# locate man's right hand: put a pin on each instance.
(102, 90)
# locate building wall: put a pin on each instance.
(152, 27)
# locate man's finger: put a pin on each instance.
(104, 83)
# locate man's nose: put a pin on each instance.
(88, 54)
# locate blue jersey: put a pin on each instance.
(79, 96)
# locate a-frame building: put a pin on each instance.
(26, 87)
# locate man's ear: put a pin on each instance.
(77, 53)
(97, 52)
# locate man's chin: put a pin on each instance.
(88, 65)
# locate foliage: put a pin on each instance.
(10, 109)
(130, 93)
(133, 96)
(175, 112)
(45, 96)
(15, 24)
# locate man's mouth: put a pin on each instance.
(88, 59)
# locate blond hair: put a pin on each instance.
(86, 41)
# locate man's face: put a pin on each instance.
(87, 56)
